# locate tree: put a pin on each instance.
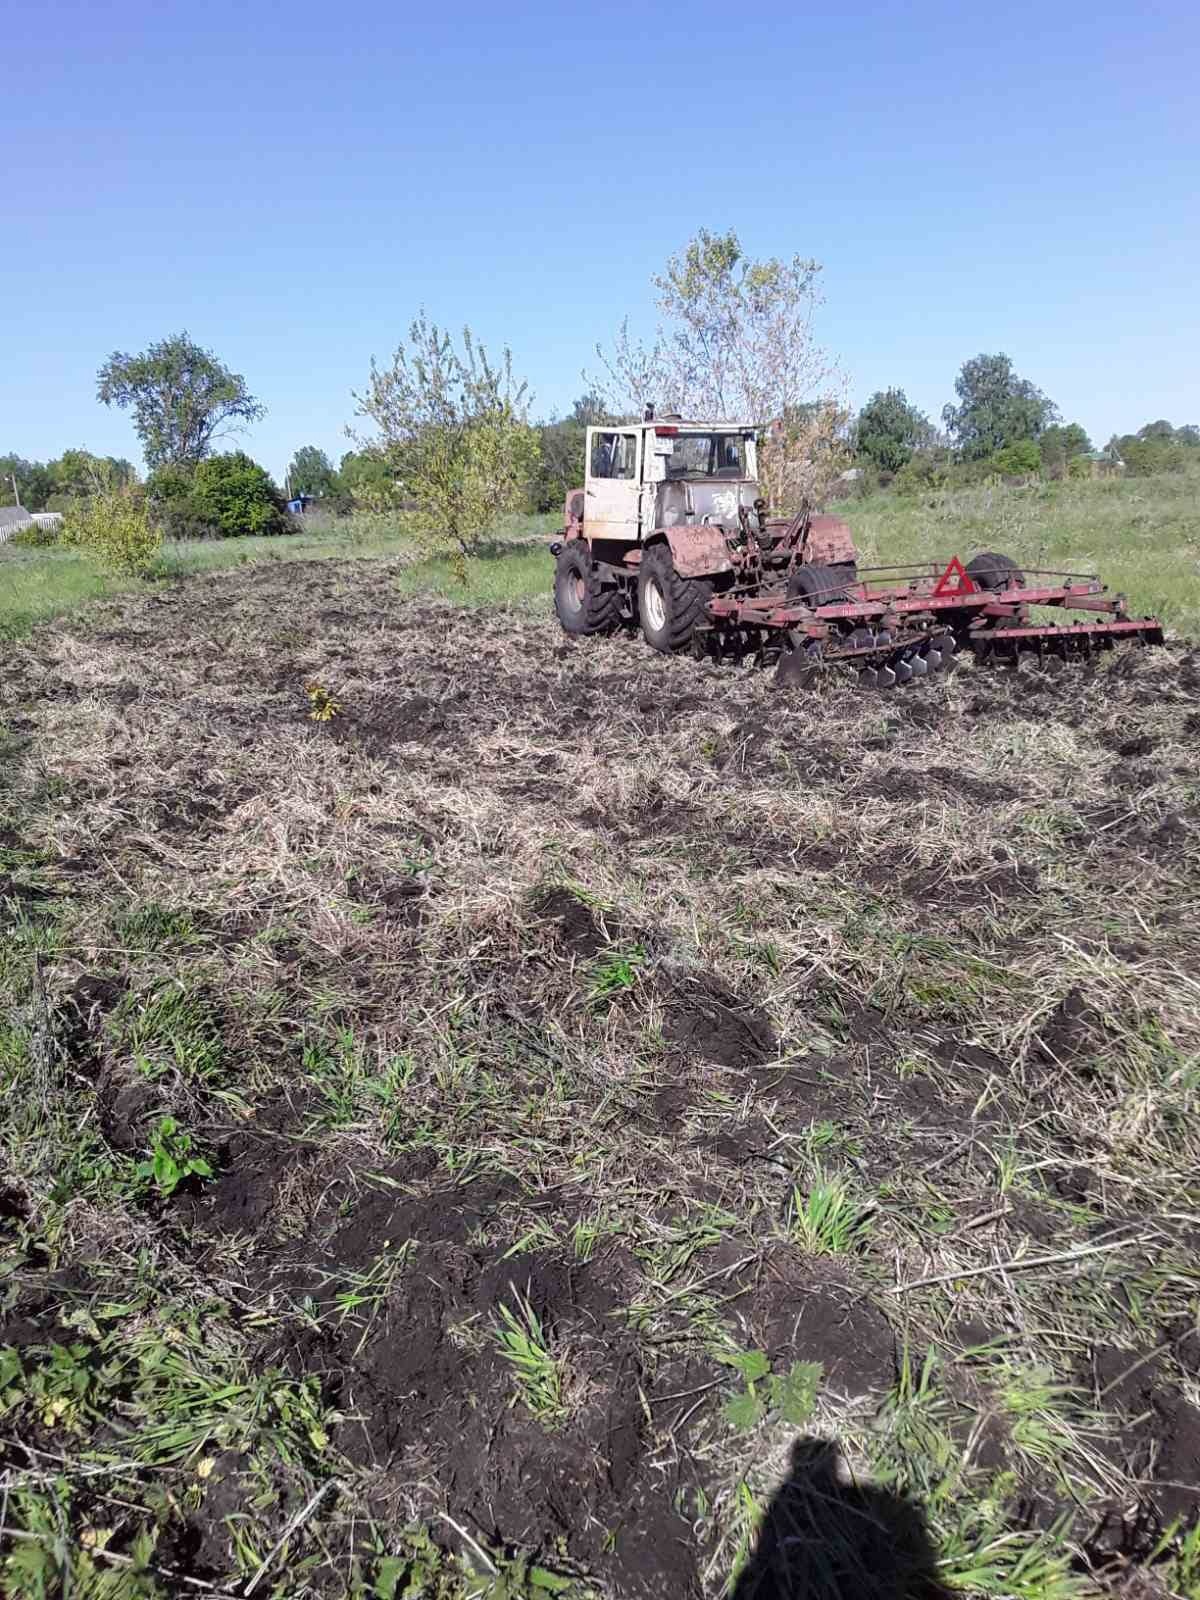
(1018, 460)
(369, 479)
(736, 343)
(311, 472)
(889, 430)
(183, 399)
(34, 482)
(455, 428)
(1150, 451)
(1060, 445)
(995, 408)
(234, 496)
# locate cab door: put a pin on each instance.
(614, 479)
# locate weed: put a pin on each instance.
(539, 1375)
(615, 973)
(172, 1159)
(793, 1394)
(828, 1219)
(322, 706)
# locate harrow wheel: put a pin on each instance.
(991, 571)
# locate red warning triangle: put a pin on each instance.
(955, 580)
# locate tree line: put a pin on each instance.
(445, 429)
(1002, 424)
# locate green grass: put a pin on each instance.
(38, 585)
(1142, 535)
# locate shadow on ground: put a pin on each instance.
(824, 1538)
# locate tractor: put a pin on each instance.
(671, 532)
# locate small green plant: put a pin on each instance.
(522, 1343)
(322, 706)
(171, 1159)
(616, 972)
(60, 1383)
(828, 1220)
(793, 1394)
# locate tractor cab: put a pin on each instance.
(665, 474)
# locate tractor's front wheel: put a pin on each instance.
(671, 607)
(583, 603)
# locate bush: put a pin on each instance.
(1079, 467)
(920, 474)
(1017, 460)
(224, 497)
(236, 496)
(117, 529)
(35, 537)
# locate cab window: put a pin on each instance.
(614, 455)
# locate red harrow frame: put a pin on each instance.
(894, 624)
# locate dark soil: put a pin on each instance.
(850, 912)
(573, 922)
(704, 1019)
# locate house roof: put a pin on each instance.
(14, 517)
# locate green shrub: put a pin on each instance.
(1018, 460)
(1079, 467)
(237, 497)
(225, 497)
(117, 528)
(923, 472)
(35, 537)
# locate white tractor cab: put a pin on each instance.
(671, 514)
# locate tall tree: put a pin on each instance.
(182, 397)
(995, 408)
(455, 428)
(311, 472)
(890, 429)
(736, 343)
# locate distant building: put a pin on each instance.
(301, 503)
(1103, 463)
(12, 518)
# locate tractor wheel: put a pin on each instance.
(819, 586)
(583, 604)
(990, 571)
(671, 607)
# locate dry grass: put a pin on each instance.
(686, 1018)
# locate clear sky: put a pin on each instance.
(290, 183)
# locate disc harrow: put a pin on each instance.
(892, 626)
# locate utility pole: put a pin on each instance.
(13, 480)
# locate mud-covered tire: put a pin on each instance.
(991, 571)
(818, 585)
(671, 608)
(582, 602)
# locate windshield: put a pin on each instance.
(707, 455)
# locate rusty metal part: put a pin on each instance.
(894, 632)
(699, 550)
(829, 542)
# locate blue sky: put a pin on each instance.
(291, 183)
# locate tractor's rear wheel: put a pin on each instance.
(818, 585)
(671, 607)
(991, 571)
(583, 603)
